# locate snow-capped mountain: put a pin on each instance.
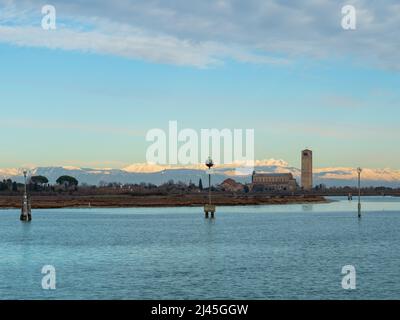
(156, 174)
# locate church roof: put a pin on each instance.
(265, 174)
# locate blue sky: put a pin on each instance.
(87, 93)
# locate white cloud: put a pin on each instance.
(156, 49)
(204, 33)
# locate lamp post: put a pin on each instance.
(209, 208)
(359, 170)
(209, 164)
(26, 205)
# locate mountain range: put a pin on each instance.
(157, 174)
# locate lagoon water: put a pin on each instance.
(263, 252)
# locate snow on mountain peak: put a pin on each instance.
(154, 173)
(150, 167)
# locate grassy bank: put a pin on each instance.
(175, 200)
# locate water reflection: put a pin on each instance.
(307, 207)
(26, 228)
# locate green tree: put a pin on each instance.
(9, 184)
(3, 185)
(200, 184)
(67, 181)
(39, 180)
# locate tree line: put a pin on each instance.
(37, 183)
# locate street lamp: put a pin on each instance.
(359, 170)
(209, 208)
(209, 164)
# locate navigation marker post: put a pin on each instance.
(26, 204)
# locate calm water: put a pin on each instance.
(267, 252)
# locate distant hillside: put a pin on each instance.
(157, 174)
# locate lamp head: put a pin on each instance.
(209, 163)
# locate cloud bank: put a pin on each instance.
(207, 32)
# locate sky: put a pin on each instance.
(86, 93)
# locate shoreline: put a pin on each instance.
(154, 201)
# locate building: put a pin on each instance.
(306, 170)
(273, 182)
(232, 186)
